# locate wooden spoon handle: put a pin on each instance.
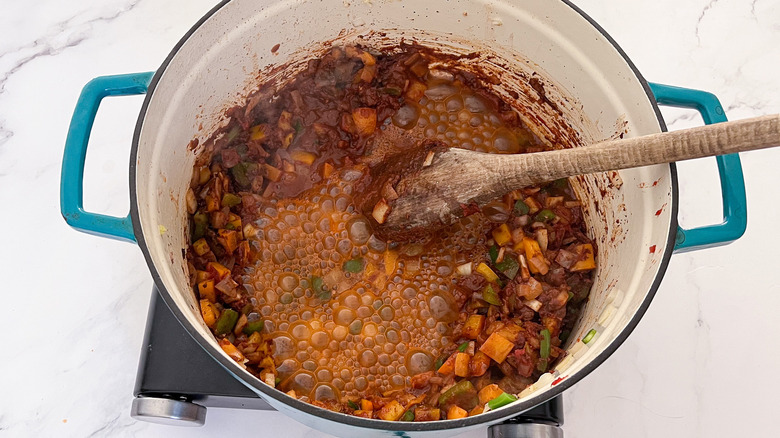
(709, 140)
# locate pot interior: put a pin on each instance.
(591, 93)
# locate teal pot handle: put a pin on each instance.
(732, 182)
(72, 177)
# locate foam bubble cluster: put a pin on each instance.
(346, 313)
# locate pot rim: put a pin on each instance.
(490, 417)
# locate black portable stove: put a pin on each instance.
(170, 387)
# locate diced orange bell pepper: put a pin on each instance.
(587, 261)
(462, 364)
(206, 291)
(217, 268)
(231, 351)
(448, 367)
(213, 202)
(536, 261)
(365, 120)
(228, 239)
(415, 91)
(455, 412)
(366, 405)
(489, 393)
(327, 169)
(209, 312)
(497, 347)
(477, 410)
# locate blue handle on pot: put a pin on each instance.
(732, 182)
(72, 178)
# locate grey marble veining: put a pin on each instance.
(74, 306)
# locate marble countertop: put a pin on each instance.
(74, 306)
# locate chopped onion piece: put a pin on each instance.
(500, 256)
(192, 202)
(525, 274)
(381, 211)
(428, 159)
(534, 304)
(552, 201)
(606, 315)
(389, 193)
(464, 269)
(541, 237)
(249, 231)
(565, 363)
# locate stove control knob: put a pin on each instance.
(525, 430)
(168, 411)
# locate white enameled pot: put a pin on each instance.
(591, 92)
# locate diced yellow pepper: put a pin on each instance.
(586, 262)
(304, 157)
(391, 411)
(254, 338)
(285, 121)
(509, 330)
(209, 313)
(206, 290)
(287, 141)
(473, 326)
(486, 272)
(272, 173)
(257, 132)
(201, 247)
(235, 221)
(502, 235)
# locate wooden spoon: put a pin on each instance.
(429, 189)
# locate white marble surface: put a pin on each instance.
(73, 306)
